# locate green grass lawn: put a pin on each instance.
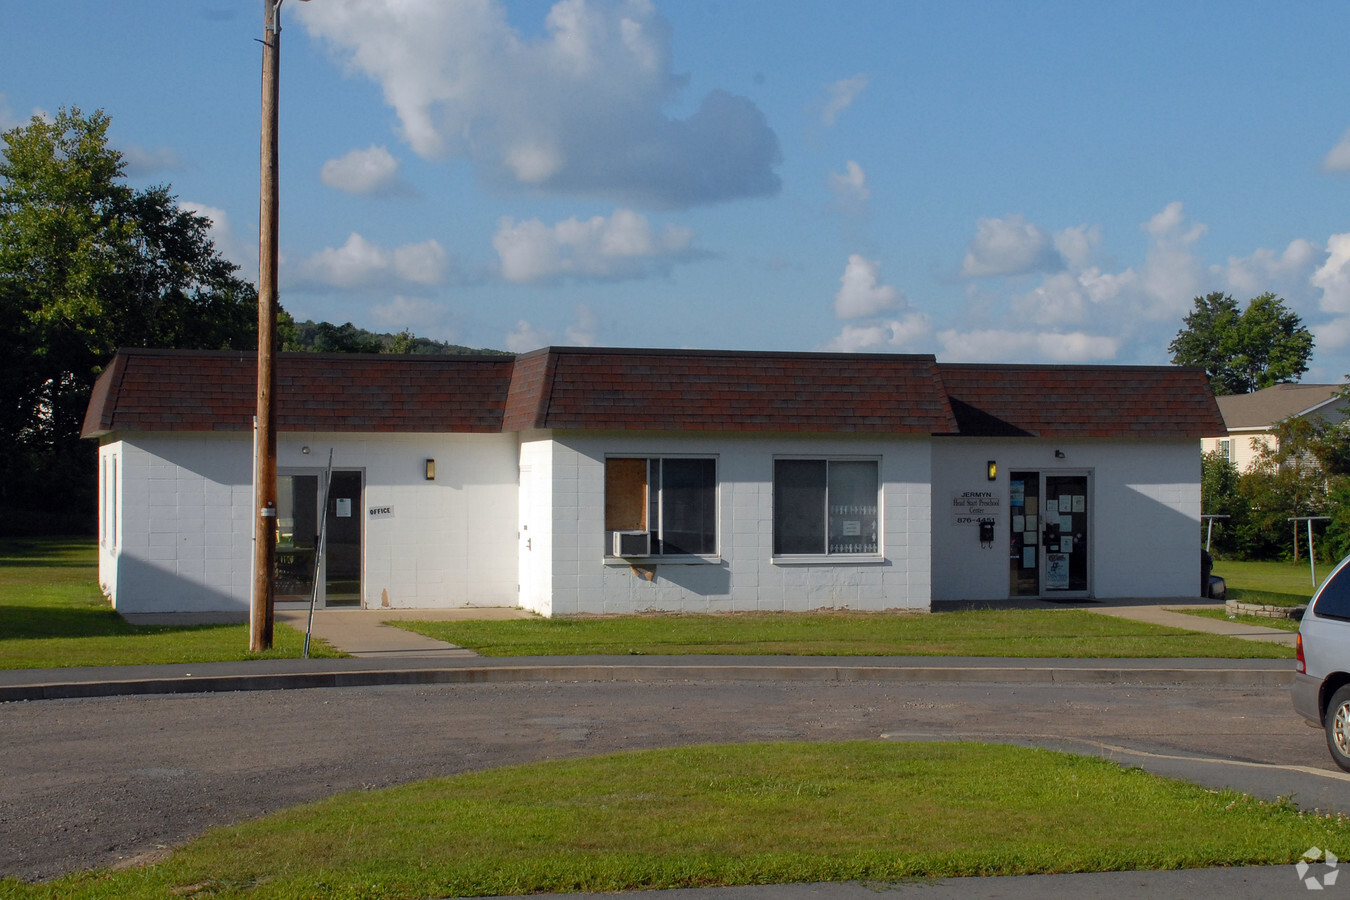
(725, 815)
(52, 614)
(1284, 578)
(1014, 633)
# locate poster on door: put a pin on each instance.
(1056, 571)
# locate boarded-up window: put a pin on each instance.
(674, 499)
(625, 494)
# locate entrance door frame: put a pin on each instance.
(358, 511)
(1042, 553)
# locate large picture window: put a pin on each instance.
(673, 499)
(824, 507)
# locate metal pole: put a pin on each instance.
(265, 456)
(1312, 557)
(319, 546)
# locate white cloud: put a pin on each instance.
(860, 291)
(890, 336)
(583, 332)
(141, 162)
(1077, 246)
(1011, 246)
(622, 246)
(369, 172)
(359, 263)
(994, 345)
(1332, 335)
(525, 337)
(1080, 312)
(1338, 160)
(579, 110)
(850, 189)
(841, 96)
(1264, 270)
(424, 263)
(1172, 275)
(1333, 276)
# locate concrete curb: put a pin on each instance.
(1233, 676)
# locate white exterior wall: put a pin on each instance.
(180, 538)
(1144, 525)
(744, 575)
(185, 518)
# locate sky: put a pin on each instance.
(1026, 182)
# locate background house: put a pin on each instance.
(1250, 419)
(576, 481)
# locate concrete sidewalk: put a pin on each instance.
(362, 632)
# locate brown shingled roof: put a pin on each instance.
(191, 390)
(651, 390)
(1082, 401)
(699, 390)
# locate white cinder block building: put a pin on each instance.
(572, 481)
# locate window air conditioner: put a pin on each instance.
(632, 543)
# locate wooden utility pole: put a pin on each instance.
(265, 438)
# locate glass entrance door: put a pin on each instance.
(298, 500)
(342, 555)
(1065, 536)
(1049, 538)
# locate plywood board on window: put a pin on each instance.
(626, 494)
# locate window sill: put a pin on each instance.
(663, 560)
(836, 559)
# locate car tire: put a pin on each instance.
(1336, 724)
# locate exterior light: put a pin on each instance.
(991, 470)
(431, 470)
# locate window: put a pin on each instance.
(1333, 602)
(674, 499)
(1226, 450)
(825, 507)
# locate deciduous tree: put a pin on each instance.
(89, 264)
(1243, 350)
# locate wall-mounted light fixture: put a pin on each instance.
(991, 470)
(431, 470)
(1059, 454)
(305, 449)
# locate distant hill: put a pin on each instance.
(325, 337)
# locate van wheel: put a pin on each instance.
(1337, 726)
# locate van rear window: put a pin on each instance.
(1334, 601)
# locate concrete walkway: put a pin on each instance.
(1166, 614)
(362, 632)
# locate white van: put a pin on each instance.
(1321, 690)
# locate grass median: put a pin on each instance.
(1060, 633)
(725, 815)
(53, 614)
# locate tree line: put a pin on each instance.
(87, 265)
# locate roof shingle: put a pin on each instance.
(651, 390)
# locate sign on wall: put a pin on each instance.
(974, 507)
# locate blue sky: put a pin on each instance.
(988, 182)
